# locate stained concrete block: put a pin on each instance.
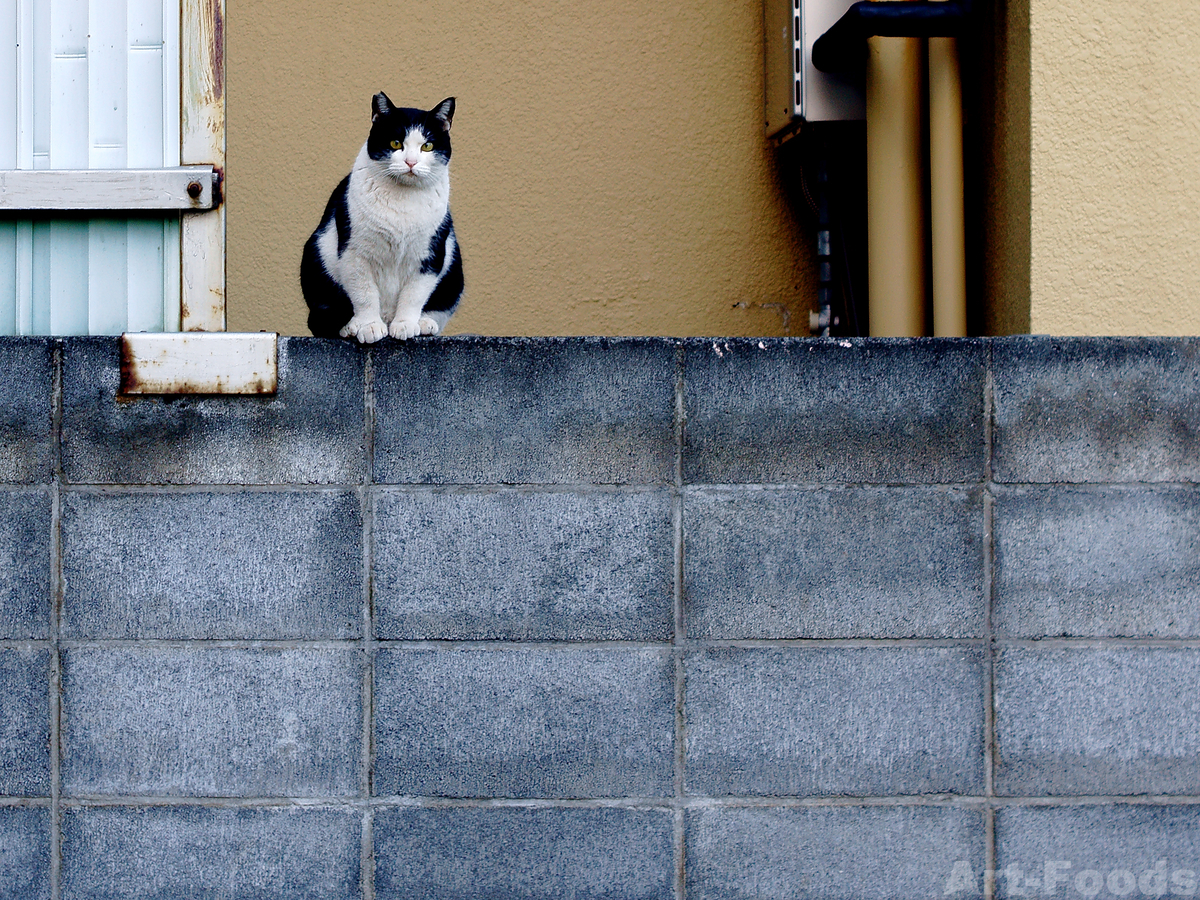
(834, 721)
(831, 853)
(24, 853)
(181, 722)
(1110, 850)
(212, 565)
(525, 411)
(1097, 562)
(837, 563)
(822, 411)
(455, 854)
(524, 723)
(26, 410)
(24, 565)
(524, 566)
(24, 723)
(1096, 409)
(131, 853)
(1097, 721)
(310, 432)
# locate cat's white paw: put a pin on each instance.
(427, 325)
(403, 329)
(367, 331)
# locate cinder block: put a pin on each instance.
(834, 853)
(524, 723)
(834, 411)
(525, 411)
(24, 566)
(1097, 562)
(1088, 721)
(1096, 409)
(862, 722)
(1107, 850)
(177, 722)
(24, 853)
(261, 565)
(144, 853)
(532, 854)
(310, 432)
(26, 410)
(524, 566)
(24, 723)
(833, 563)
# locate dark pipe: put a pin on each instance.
(843, 48)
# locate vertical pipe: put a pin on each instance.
(895, 187)
(949, 255)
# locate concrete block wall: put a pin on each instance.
(583, 618)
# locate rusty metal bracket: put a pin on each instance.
(199, 363)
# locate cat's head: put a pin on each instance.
(411, 145)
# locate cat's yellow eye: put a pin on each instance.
(396, 145)
(427, 146)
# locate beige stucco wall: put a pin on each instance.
(609, 171)
(1115, 167)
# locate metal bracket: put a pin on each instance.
(199, 363)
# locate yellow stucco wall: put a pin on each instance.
(609, 173)
(1115, 167)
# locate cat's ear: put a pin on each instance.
(380, 105)
(444, 112)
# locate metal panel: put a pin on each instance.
(9, 71)
(95, 85)
(107, 95)
(199, 363)
(202, 54)
(9, 67)
(8, 278)
(141, 189)
(68, 277)
(146, 276)
(108, 249)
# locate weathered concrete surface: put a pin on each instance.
(24, 565)
(524, 566)
(1140, 850)
(24, 723)
(26, 410)
(212, 565)
(547, 854)
(834, 411)
(167, 722)
(195, 851)
(1087, 721)
(311, 432)
(524, 723)
(24, 853)
(1097, 410)
(525, 411)
(828, 722)
(834, 563)
(834, 853)
(591, 618)
(1098, 562)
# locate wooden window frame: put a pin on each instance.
(195, 187)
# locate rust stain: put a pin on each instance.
(129, 381)
(216, 47)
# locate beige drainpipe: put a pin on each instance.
(895, 187)
(947, 227)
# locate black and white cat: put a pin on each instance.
(384, 259)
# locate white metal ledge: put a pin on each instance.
(182, 187)
(198, 363)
